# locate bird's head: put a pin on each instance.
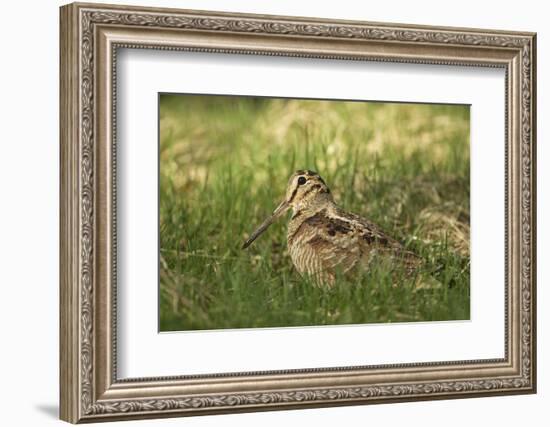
(305, 190)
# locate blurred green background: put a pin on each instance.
(224, 165)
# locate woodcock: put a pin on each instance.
(324, 240)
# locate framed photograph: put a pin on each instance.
(265, 212)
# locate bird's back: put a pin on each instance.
(330, 240)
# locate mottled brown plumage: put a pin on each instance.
(324, 240)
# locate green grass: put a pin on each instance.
(224, 165)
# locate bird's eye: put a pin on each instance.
(301, 180)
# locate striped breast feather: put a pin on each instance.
(326, 244)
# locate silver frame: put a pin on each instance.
(90, 37)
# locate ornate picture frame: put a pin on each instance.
(90, 37)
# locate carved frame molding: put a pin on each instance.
(90, 37)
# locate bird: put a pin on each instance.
(324, 240)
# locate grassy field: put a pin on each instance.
(224, 166)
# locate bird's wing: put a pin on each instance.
(378, 242)
(342, 241)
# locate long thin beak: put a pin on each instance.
(277, 213)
